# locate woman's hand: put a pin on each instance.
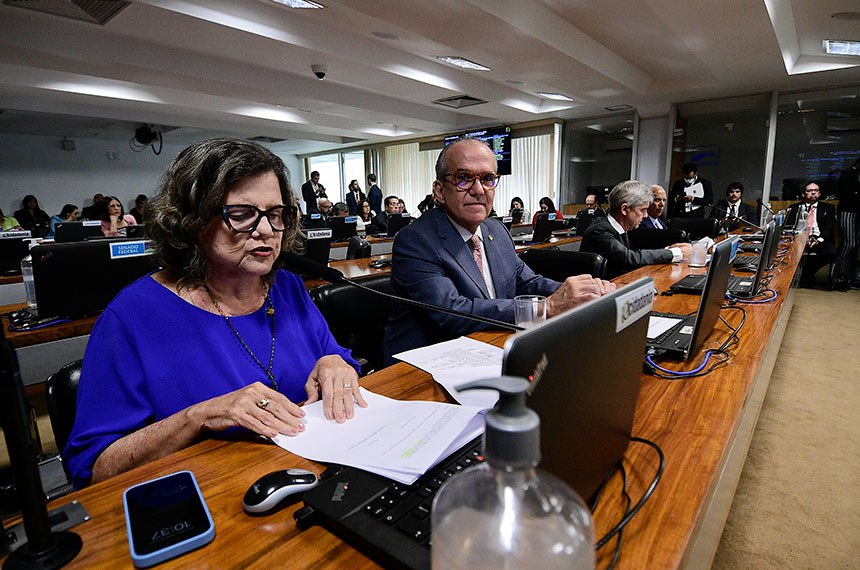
(256, 407)
(338, 383)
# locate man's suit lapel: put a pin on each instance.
(454, 244)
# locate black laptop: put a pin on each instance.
(680, 336)
(342, 227)
(586, 406)
(545, 225)
(397, 222)
(13, 248)
(65, 232)
(316, 246)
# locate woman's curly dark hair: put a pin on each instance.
(191, 193)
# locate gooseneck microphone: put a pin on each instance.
(738, 218)
(765, 205)
(306, 266)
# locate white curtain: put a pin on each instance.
(407, 173)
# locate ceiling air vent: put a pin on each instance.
(93, 11)
(459, 101)
(265, 139)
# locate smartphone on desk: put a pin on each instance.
(166, 517)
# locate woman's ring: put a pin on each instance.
(262, 403)
(347, 385)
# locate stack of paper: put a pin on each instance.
(400, 440)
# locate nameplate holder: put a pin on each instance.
(318, 234)
(15, 234)
(633, 305)
(91, 222)
(123, 249)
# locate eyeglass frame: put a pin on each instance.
(472, 178)
(289, 213)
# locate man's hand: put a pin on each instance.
(686, 250)
(576, 290)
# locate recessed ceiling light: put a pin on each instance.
(462, 62)
(386, 36)
(841, 47)
(622, 107)
(554, 96)
(515, 82)
(850, 16)
(298, 3)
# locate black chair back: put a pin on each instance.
(696, 228)
(357, 248)
(357, 318)
(650, 238)
(559, 265)
(62, 395)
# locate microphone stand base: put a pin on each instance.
(66, 547)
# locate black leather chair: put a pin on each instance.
(649, 238)
(62, 395)
(696, 228)
(559, 264)
(357, 248)
(357, 318)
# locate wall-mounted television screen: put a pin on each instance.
(499, 139)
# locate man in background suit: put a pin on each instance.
(628, 206)
(731, 210)
(682, 205)
(454, 256)
(591, 207)
(819, 218)
(374, 195)
(312, 191)
(654, 220)
(94, 212)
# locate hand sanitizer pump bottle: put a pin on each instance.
(506, 513)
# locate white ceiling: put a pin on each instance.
(201, 68)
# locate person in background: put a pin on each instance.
(32, 218)
(325, 207)
(364, 218)
(546, 207)
(219, 341)
(139, 209)
(312, 192)
(654, 220)
(354, 196)
(374, 194)
(732, 211)
(69, 213)
(340, 210)
(592, 208)
(401, 206)
(392, 206)
(455, 256)
(427, 203)
(518, 211)
(628, 206)
(682, 205)
(8, 223)
(93, 212)
(819, 218)
(845, 268)
(114, 219)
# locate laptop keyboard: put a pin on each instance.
(664, 336)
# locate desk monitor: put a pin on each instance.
(343, 228)
(397, 222)
(81, 278)
(517, 216)
(137, 231)
(583, 220)
(585, 403)
(13, 248)
(317, 246)
(544, 226)
(65, 232)
(507, 221)
(313, 220)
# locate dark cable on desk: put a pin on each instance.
(669, 374)
(773, 296)
(735, 330)
(627, 496)
(629, 514)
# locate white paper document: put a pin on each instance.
(659, 325)
(695, 190)
(397, 439)
(455, 362)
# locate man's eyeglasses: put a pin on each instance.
(244, 218)
(465, 181)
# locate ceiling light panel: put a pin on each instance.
(462, 63)
(298, 3)
(841, 47)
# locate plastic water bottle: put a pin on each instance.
(506, 513)
(29, 282)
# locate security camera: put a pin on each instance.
(319, 70)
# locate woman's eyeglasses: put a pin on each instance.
(465, 181)
(244, 218)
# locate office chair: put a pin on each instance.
(696, 228)
(650, 238)
(357, 248)
(357, 318)
(62, 395)
(559, 265)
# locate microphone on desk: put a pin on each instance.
(300, 264)
(765, 205)
(738, 218)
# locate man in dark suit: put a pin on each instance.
(592, 208)
(454, 256)
(94, 212)
(732, 211)
(685, 205)
(654, 220)
(354, 197)
(628, 206)
(374, 194)
(819, 218)
(312, 191)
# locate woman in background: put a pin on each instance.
(518, 211)
(139, 208)
(32, 218)
(546, 207)
(114, 219)
(69, 213)
(9, 223)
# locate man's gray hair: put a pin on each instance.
(631, 192)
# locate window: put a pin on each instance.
(337, 169)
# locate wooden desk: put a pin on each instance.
(703, 425)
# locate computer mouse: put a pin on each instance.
(270, 490)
